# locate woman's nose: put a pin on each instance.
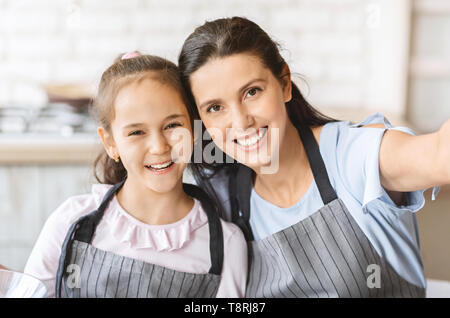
(158, 144)
(241, 118)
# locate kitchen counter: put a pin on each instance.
(48, 148)
(83, 148)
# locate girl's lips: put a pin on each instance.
(161, 170)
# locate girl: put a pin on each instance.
(141, 232)
(337, 218)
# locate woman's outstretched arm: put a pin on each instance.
(410, 163)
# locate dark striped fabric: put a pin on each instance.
(324, 255)
(108, 275)
(85, 271)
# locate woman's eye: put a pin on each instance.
(173, 125)
(136, 133)
(253, 91)
(213, 108)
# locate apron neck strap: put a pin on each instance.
(87, 226)
(215, 227)
(318, 168)
(241, 182)
(84, 228)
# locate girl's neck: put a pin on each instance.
(294, 176)
(154, 208)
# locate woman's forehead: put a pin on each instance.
(230, 71)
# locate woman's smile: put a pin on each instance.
(254, 141)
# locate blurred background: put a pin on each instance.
(351, 58)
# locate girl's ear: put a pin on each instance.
(286, 83)
(108, 142)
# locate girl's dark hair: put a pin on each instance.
(119, 74)
(224, 37)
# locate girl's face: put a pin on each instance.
(152, 134)
(242, 105)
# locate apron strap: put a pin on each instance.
(240, 192)
(317, 165)
(87, 227)
(84, 228)
(215, 226)
(241, 182)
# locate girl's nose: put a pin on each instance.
(158, 144)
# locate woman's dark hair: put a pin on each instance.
(224, 37)
(119, 74)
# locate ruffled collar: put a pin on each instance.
(129, 230)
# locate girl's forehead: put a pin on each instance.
(148, 99)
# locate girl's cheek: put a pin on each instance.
(181, 143)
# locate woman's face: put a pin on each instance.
(242, 105)
(151, 132)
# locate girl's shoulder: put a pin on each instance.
(76, 206)
(231, 231)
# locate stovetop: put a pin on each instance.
(52, 119)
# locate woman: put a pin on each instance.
(335, 219)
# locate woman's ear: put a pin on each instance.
(108, 143)
(286, 83)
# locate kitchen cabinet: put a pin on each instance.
(28, 195)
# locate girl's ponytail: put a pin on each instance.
(111, 172)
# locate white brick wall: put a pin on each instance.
(75, 40)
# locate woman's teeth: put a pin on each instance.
(254, 139)
(160, 166)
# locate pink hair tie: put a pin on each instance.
(130, 55)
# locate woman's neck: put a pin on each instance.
(154, 208)
(294, 176)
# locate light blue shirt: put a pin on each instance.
(350, 154)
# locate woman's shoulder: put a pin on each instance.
(342, 135)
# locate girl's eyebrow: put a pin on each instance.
(217, 101)
(170, 117)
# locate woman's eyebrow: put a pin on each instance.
(173, 116)
(250, 83)
(217, 101)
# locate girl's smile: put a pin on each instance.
(150, 121)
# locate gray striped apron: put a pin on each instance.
(86, 271)
(324, 255)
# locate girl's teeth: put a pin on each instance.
(161, 166)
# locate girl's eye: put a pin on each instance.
(136, 133)
(173, 125)
(253, 91)
(213, 108)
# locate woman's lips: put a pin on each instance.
(254, 141)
